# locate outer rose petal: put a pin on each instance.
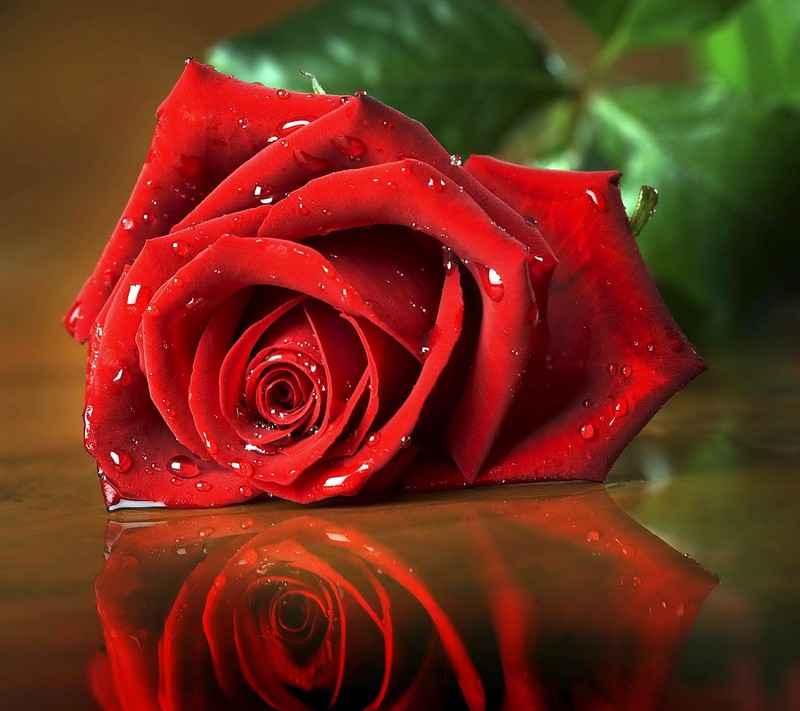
(208, 126)
(615, 356)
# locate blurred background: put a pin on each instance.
(699, 100)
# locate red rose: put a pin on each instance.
(302, 286)
(554, 601)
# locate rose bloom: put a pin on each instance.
(305, 292)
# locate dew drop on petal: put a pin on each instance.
(491, 282)
(202, 486)
(245, 491)
(592, 536)
(587, 431)
(349, 146)
(210, 444)
(122, 460)
(180, 247)
(241, 468)
(188, 166)
(183, 466)
(127, 223)
(436, 184)
(308, 162)
(455, 159)
(626, 370)
(374, 439)
(597, 200)
(282, 94)
(243, 122)
(292, 126)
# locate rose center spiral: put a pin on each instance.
(285, 389)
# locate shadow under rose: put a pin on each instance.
(554, 598)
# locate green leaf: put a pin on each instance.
(758, 49)
(467, 69)
(625, 24)
(727, 171)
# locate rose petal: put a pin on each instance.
(125, 432)
(400, 194)
(370, 464)
(616, 354)
(208, 125)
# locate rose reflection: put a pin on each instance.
(553, 599)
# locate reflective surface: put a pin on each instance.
(512, 595)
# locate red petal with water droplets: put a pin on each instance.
(615, 355)
(198, 141)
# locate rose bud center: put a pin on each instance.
(284, 389)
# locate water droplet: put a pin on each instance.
(387, 124)
(127, 223)
(587, 431)
(491, 281)
(147, 218)
(210, 444)
(405, 442)
(308, 162)
(243, 122)
(292, 126)
(241, 468)
(180, 247)
(587, 403)
(612, 368)
(650, 347)
(374, 439)
(183, 466)
(176, 480)
(359, 93)
(597, 200)
(533, 222)
(122, 460)
(194, 302)
(455, 159)
(188, 166)
(592, 536)
(349, 146)
(138, 296)
(202, 486)
(282, 94)
(636, 581)
(436, 184)
(586, 332)
(245, 491)
(626, 370)
(621, 407)
(303, 210)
